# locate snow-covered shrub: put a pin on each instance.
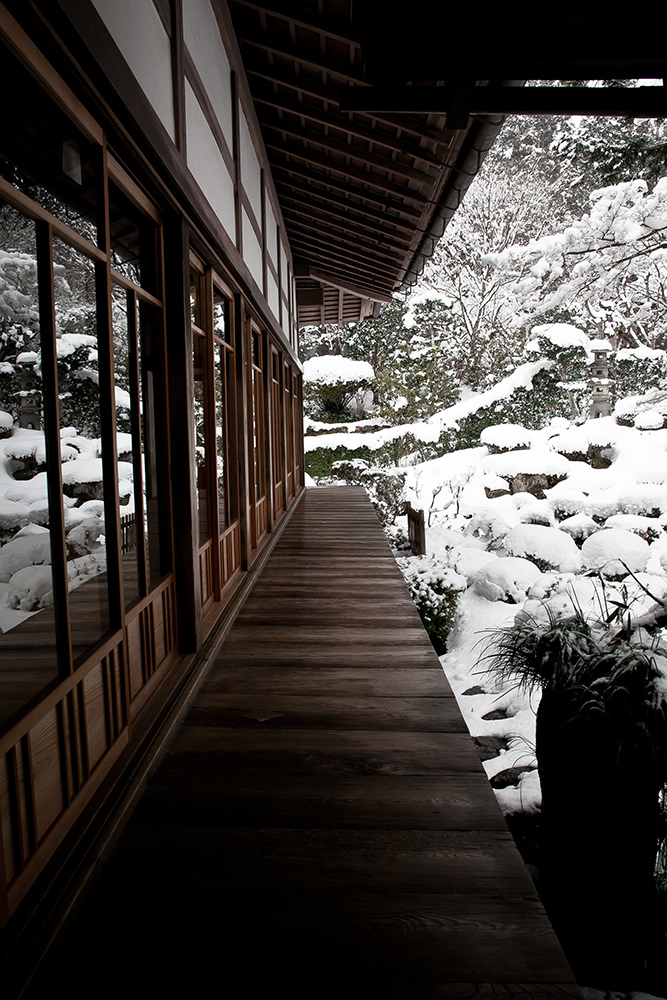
(30, 588)
(385, 487)
(647, 499)
(614, 552)
(500, 438)
(638, 369)
(6, 424)
(572, 443)
(649, 420)
(548, 548)
(600, 710)
(336, 386)
(22, 551)
(13, 516)
(533, 511)
(646, 527)
(507, 579)
(579, 527)
(434, 588)
(320, 461)
(565, 501)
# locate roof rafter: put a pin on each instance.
(347, 170)
(354, 152)
(344, 205)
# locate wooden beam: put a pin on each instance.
(414, 126)
(315, 59)
(303, 18)
(333, 118)
(647, 102)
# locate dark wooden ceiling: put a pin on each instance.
(367, 192)
(358, 191)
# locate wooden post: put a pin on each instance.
(181, 394)
(416, 530)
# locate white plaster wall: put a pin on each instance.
(252, 251)
(137, 31)
(272, 295)
(271, 234)
(251, 175)
(202, 38)
(207, 165)
(284, 272)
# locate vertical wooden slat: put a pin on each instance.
(108, 696)
(181, 430)
(236, 152)
(267, 384)
(177, 75)
(262, 222)
(243, 376)
(15, 810)
(108, 404)
(206, 320)
(64, 754)
(137, 440)
(47, 327)
(30, 805)
(4, 907)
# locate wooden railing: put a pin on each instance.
(128, 534)
(416, 530)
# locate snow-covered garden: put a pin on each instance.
(571, 516)
(550, 530)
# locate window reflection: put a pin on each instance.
(80, 432)
(28, 658)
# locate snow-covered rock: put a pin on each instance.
(610, 548)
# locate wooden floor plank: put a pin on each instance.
(322, 826)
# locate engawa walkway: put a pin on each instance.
(322, 826)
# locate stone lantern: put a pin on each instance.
(30, 410)
(601, 385)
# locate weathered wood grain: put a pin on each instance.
(321, 826)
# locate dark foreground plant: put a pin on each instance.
(601, 747)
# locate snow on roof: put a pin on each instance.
(598, 344)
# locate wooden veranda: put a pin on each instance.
(321, 826)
